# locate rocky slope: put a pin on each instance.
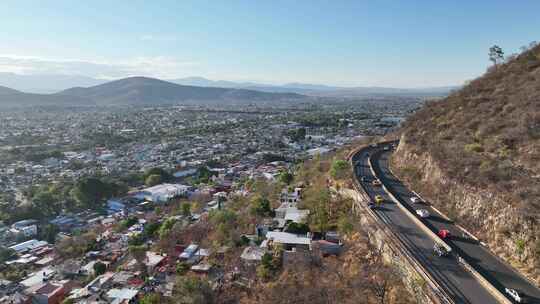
(475, 155)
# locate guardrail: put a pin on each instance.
(394, 242)
(480, 278)
(411, 215)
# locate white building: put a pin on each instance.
(28, 245)
(163, 193)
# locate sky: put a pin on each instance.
(348, 43)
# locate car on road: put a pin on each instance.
(440, 250)
(379, 199)
(443, 234)
(363, 179)
(376, 182)
(518, 296)
(423, 213)
(415, 200)
(386, 148)
(371, 205)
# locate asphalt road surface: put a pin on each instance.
(457, 282)
(496, 271)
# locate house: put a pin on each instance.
(26, 231)
(122, 295)
(15, 298)
(252, 254)
(189, 252)
(289, 212)
(26, 228)
(327, 248)
(115, 205)
(153, 260)
(39, 277)
(290, 241)
(28, 245)
(47, 293)
(163, 193)
(290, 197)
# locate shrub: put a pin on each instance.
(475, 147)
(339, 169)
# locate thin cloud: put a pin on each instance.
(158, 38)
(156, 66)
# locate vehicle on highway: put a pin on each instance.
(386, 148)
(376, 182)
(443, 234)
(440, 250)
(371, 205)
(379, 199)
(518, 296)
(363, 179)
(373, 145)
(423, 213)
(415, 200)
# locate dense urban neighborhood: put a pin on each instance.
(123, 205)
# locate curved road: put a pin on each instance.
(457, 282)
(496, 271)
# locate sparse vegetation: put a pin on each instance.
(485, 138)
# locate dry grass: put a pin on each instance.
(488, 134)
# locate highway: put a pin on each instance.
(496, 271)
(447, 271)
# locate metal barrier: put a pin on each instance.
(491, 289)
(394, 242)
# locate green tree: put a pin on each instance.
(6, 254)
(90, 192)
(49, 232)
(99, 268)
(345, 225)
(285, 177)
(319, 214)
(182, 268)
(152, 180)
(496, 54)
(44, 201)
(339, 169)
(261, 207)
(192, 290)
(186, 209)
(152, 298)
(166, 227)
(165, 176)
(297, 228)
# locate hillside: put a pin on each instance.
(143, 90)
(137, 90)
(476, 156)
(13, 98)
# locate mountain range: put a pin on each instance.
(137, 90)
(54, 83)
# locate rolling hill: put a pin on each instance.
(138, 90)
(13, 98)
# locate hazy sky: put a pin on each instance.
(384, 43)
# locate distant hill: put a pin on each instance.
(317, 89)
(138, 90)
(52, 83)
(46, 83)
(13, 98)
(143, 90)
